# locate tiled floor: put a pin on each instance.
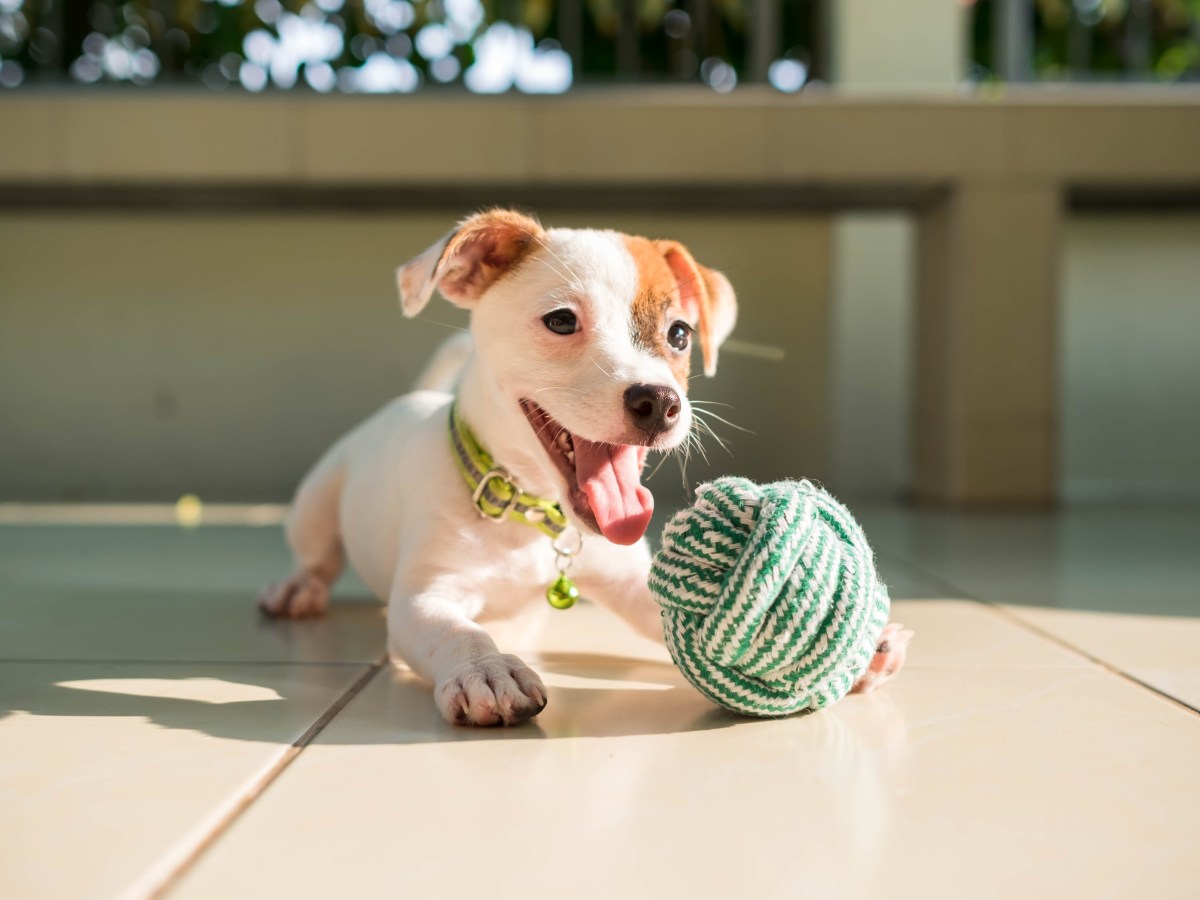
(157, 737)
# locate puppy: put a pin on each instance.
(457, 508)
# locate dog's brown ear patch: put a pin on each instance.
(468, 260)
(706, 295)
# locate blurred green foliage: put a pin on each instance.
(400, 45)
(1105, 40)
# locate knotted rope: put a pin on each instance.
(771, 603)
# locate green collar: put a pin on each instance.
(494, 493)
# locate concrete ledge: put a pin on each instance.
(660, 136)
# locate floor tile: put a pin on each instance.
(968, 633)
(1001, 762)
(1181, 684)
(1124, 640)
(163, 593)
(1119, 585)
(1162, 651)
(1140, 560)
(905, 582)
(948, 633)
(632, 785)
(112, 773)
(238, 558)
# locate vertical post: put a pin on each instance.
(570, 34)
(72, 27)
(53, 18)
(764, 39)
(1079, 45)
(697, 10)
(1139, 34)
(1012, 39)
(629, 56)
(169, 64)
(879, 46)
(821, 52)
(986, 395)
(890, 45)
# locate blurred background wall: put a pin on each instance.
(143, 368)
(151, 346)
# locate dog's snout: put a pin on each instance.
(654, 407)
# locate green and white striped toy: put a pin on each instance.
(771, 602)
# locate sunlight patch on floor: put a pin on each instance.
(197, 690)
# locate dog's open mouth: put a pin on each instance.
(604, 480)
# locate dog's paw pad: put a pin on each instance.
(495, 690)
(299, 597)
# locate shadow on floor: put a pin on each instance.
(590, 696)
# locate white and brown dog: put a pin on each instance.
(578, 366)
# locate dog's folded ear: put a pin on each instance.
(706, 295)
(469, 259)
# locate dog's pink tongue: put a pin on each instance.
(611, 477)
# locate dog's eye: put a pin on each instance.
(678, 335)
(561, 321)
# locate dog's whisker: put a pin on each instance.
(607, 373)
(694, 439)
(445, 325)
(715, 436)
(683, 461)
(542, 241)
(547, 424)
(573, 282)
(712, 415)
(661, 460)
(570, 275)
(696, 425)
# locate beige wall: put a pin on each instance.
(871, 353)
(1129, 364)
(1131, 358)
(146, 355)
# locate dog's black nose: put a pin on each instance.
(654, 407)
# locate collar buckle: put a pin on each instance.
(495, 474)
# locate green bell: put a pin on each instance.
(563, 593)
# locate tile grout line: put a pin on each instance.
(1008, 614)
(1104, 664)
(171, 878)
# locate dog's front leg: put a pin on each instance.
(474, 683)
(628, 596)
(616, 578)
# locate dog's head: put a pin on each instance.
(589, 334)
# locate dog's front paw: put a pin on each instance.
(495, 690)
(300, 597)
(889, 657)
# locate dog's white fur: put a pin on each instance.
(389, 499)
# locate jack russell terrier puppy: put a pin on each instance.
(460, 508)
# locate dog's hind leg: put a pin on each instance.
(315, 538)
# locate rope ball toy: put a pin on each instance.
(770, 600)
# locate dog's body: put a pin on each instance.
(575, 333)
